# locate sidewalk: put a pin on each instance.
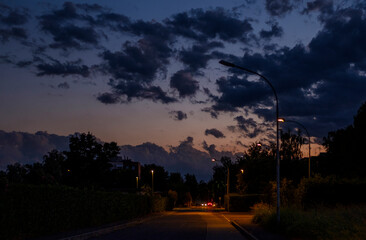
(243, 222)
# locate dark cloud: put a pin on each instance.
(63, 69)
(309, 80)
(279, 8)
(214, 114)
(214, 153)
(323, 6)
(64, 85)
(276, 31)
(183, 158)
(14, 17)
(108, 98)
(27, 148)
(124, 91)
(115, 21)
(179, 115)
(197, 57)
(236, 93)
(247, 126)
(214, 132)
(66, 34)
(184, 83)
(202, 25)
(139, 62)
(90, 7)
(15, 32)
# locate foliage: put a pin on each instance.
(345, 148)
(159, 204)
(239, 203)
(87, 161)
(290, 148)
(258, 166)
(29, 210)
(339, 223)
(330, 191)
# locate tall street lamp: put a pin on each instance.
(152, 181)
(228, 64)
(307, 133)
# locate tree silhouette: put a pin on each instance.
(345, 148)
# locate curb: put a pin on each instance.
(241, 229)
(107, 230)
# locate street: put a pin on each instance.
(192, 225)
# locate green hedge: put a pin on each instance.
(159, 204)
(241, 203)
(29, 211)
(330, 191)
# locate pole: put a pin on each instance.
(137, 182)
(152, 181)
(228, 181)
(228, 64)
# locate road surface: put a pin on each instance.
(187, 225)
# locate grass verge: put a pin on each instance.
(342, 222)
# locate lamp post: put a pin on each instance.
(307, 133)
(228, 64)
(152, 182)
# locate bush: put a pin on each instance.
(29, 211)
(159, 204)
(241, 203)
(329, 191)
(323, 223)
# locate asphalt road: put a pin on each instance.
(186, 225)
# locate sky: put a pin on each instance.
(145, 74)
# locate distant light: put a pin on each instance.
(68, 170)
(213, 160)
(281, 120)
(152, 171)
(242, 171)
(259, 144)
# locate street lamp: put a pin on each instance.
(152, 181)
(228, 64)
(307, 133)
(137, 182)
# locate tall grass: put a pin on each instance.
(340, 223)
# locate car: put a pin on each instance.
(209, 204)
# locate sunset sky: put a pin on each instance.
(147, 71)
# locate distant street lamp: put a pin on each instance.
(137, 182)
(152, 181)
(228, 64)
(307, 133)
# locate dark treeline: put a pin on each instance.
(86, 165)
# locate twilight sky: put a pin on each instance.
(146, 71)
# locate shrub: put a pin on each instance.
(330, 191)
(29, 211)
(241, 203)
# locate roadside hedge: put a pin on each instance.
(29, 211)
(330, 191)
(241, 203)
